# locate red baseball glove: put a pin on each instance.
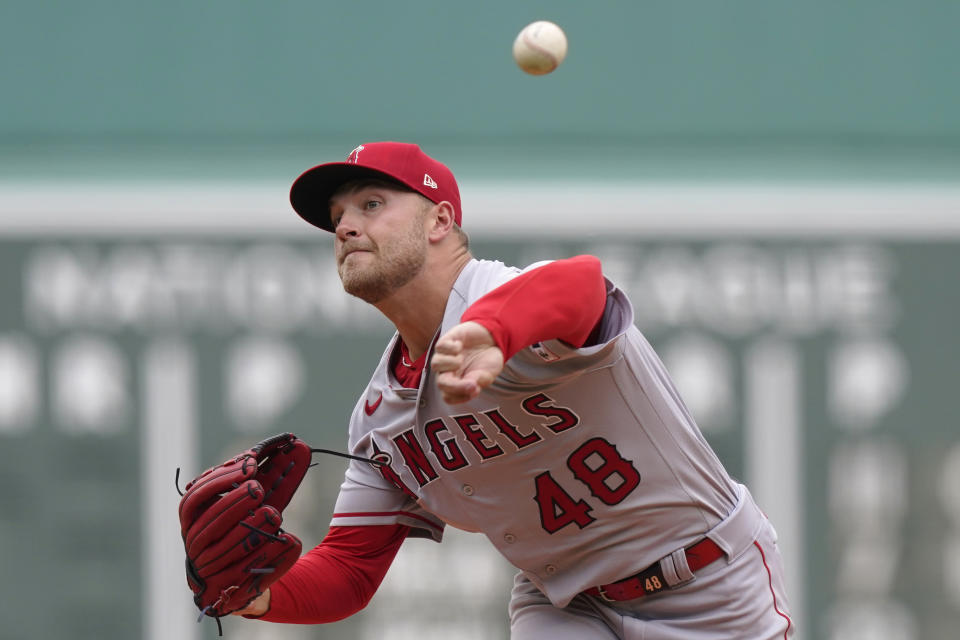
(230, 517)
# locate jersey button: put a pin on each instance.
(550, 569)
(509, 538)
(423, 402)
(467, 490)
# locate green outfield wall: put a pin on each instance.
(775, 185)
(822, 370)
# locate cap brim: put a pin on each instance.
(311, 192)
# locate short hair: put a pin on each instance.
(462, 235)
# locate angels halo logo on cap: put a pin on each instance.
(353, 154)
(402, 162)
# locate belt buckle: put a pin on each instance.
(603, 594)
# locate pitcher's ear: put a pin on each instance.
(444, 220)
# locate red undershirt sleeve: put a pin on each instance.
(564, 300)
(336, 578)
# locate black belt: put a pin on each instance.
(651, 579)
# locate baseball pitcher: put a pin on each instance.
(523, 404)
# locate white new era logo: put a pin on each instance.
(428, 181)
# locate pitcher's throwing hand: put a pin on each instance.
(467, 360)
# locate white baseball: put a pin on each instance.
(540, 47)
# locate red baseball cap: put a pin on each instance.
(400, 161)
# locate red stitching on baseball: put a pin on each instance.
(533, 45)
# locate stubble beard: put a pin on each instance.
(396, 266)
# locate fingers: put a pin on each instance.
(454, 379)
(456, 389)
(464, 336)
(448, 363)
(466, 360)
(448, 345)
(447, 356)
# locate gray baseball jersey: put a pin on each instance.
(582, 466)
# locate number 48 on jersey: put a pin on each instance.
(597, 464)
